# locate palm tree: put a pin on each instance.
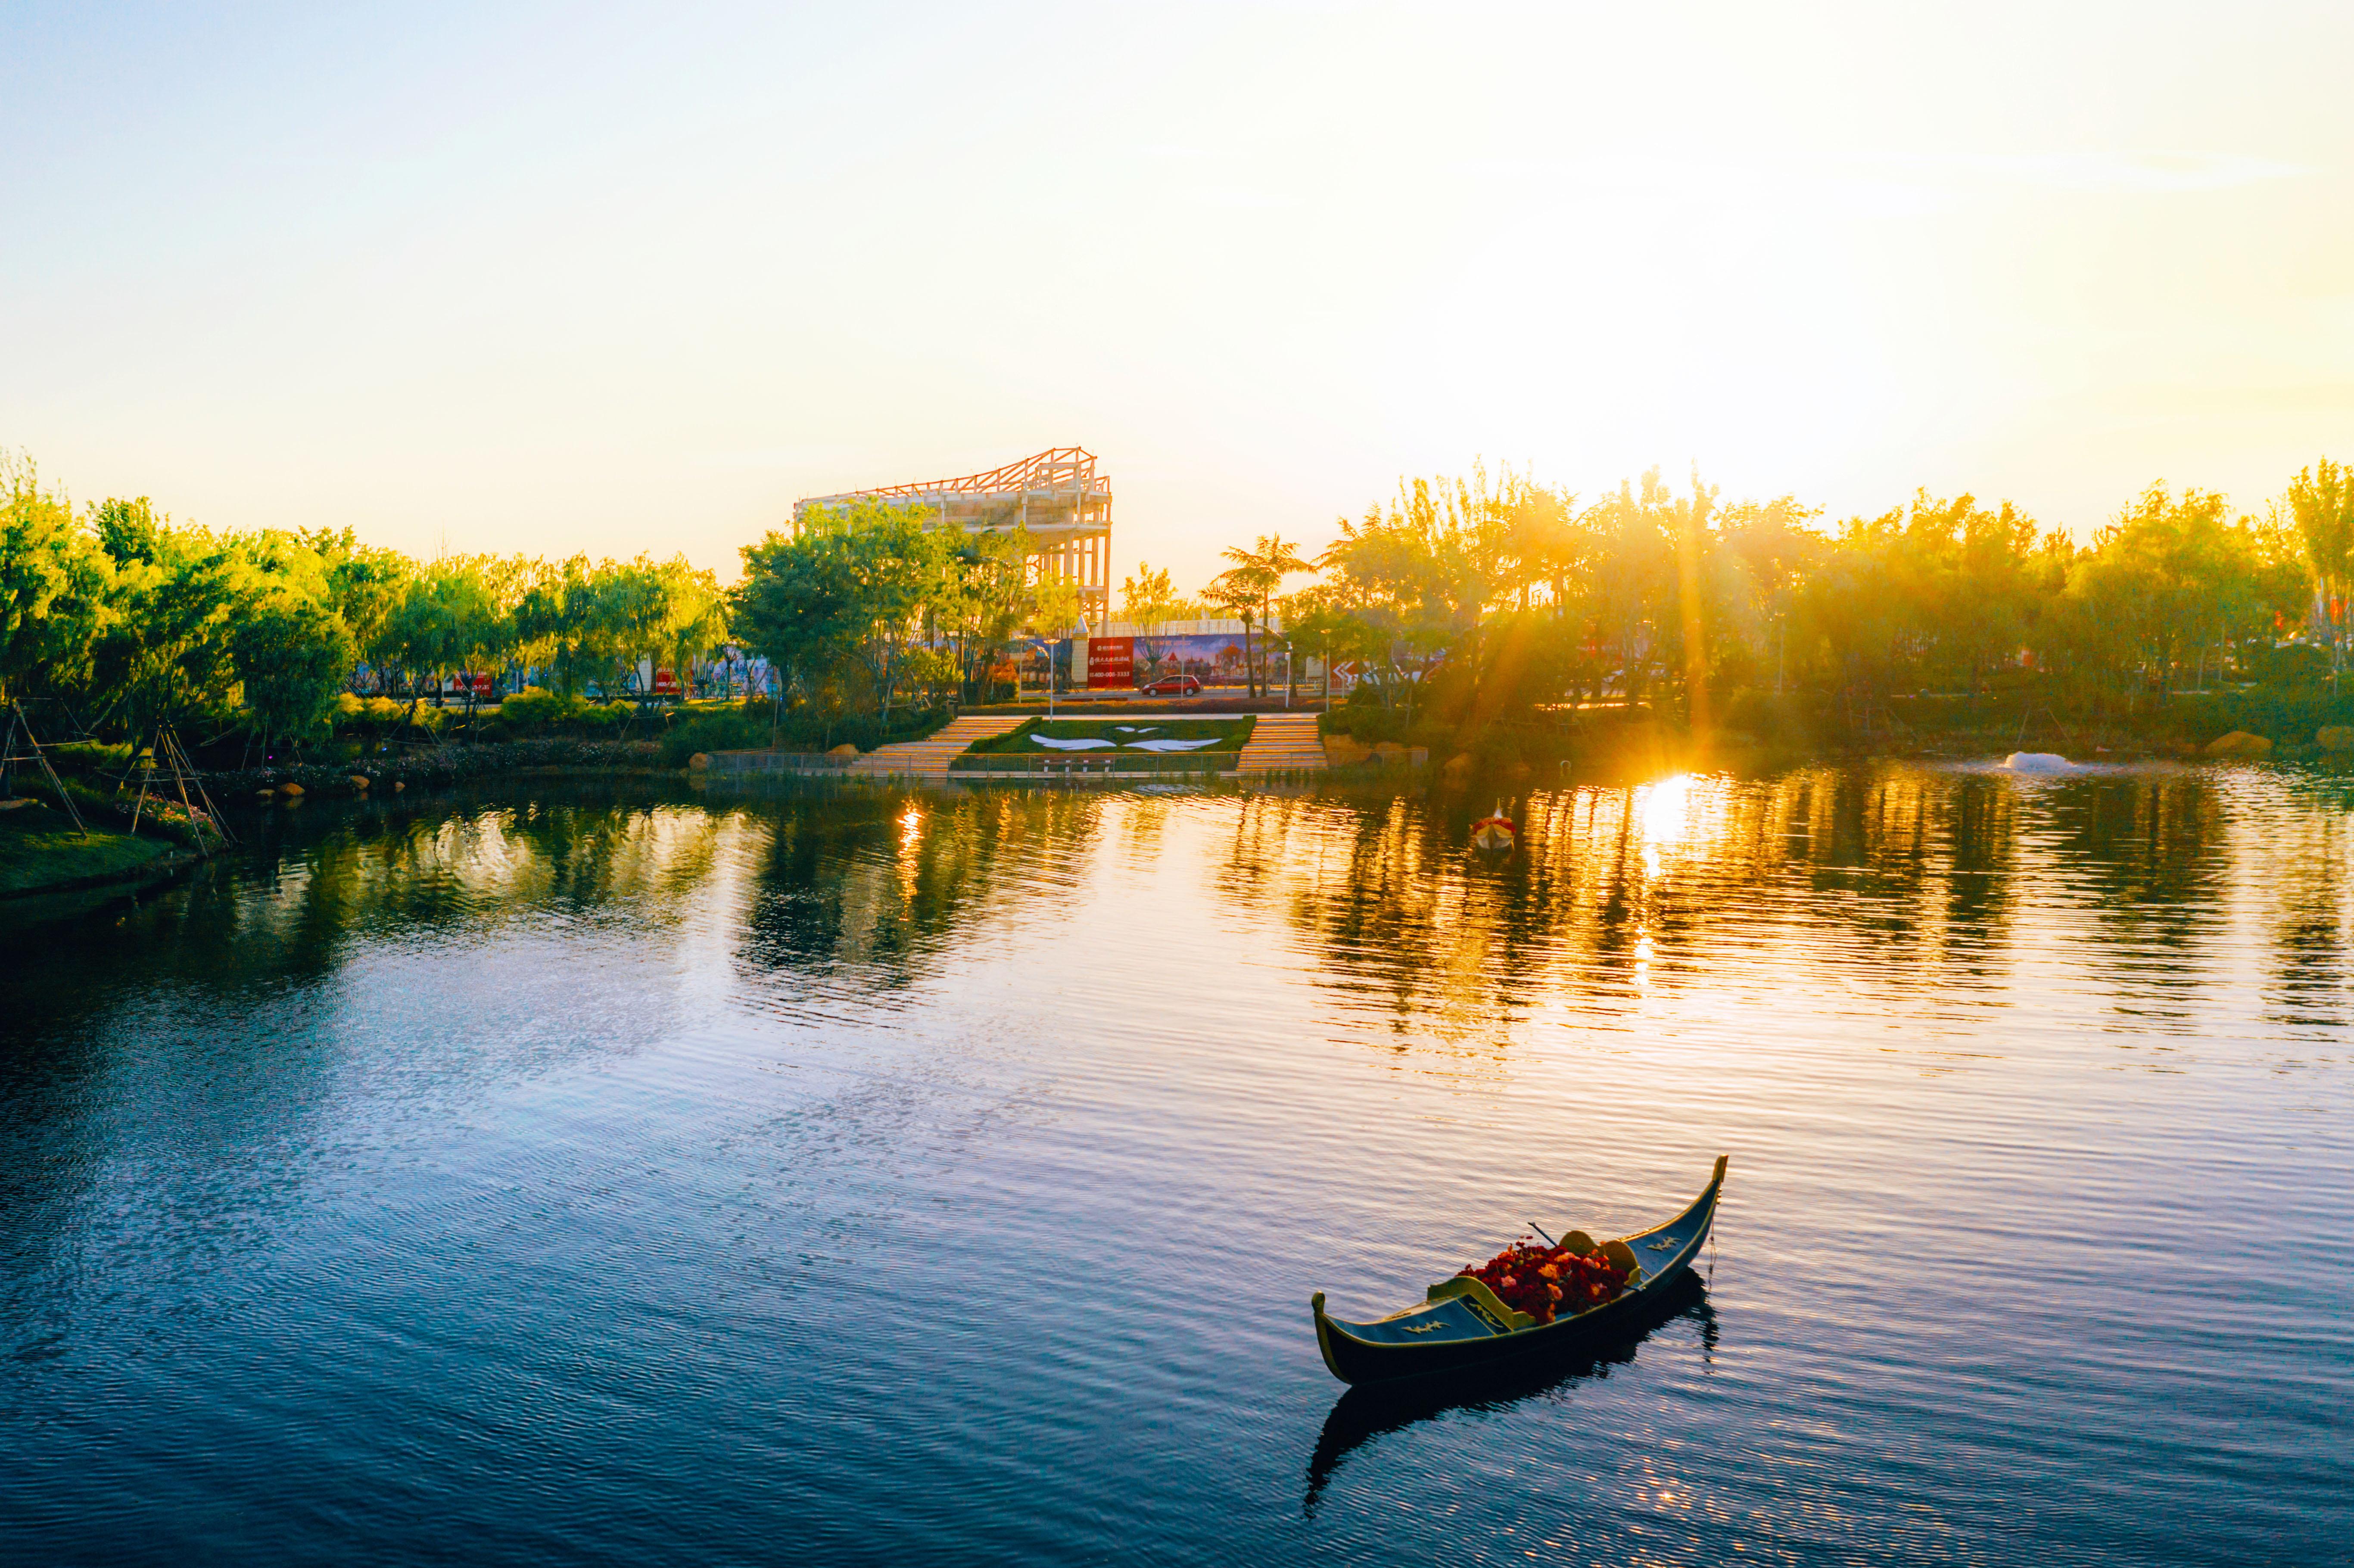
(1238, 593)
(1261, 572)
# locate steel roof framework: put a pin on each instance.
(1056, 495)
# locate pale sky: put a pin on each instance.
(610, 278)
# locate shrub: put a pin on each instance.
(601, 718)
(743, 727)
(530, 711)
(1776, 720)
(75, 756)
(2295, 664)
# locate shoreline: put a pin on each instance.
(591, 759)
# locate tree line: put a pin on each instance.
(1481, 595)
(127, 619)
(1493, 594)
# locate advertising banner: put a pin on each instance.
(1111, 662)
(1215, 659)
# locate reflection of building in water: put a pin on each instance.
(1056, 496)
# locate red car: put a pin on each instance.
(1171, 686)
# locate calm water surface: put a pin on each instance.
(587, 1176)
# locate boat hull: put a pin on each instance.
(1460, 1332)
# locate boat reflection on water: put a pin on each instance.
(1372, 1410)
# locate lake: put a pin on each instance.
(629, 1173)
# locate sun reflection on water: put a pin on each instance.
(1663, 811)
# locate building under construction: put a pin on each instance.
(1056, 496)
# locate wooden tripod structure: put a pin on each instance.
(170, 753)
(12, 755)
(2027, 716)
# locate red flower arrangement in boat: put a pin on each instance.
(1544, 1280)
(1495, 834)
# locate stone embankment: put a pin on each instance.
(436, 765)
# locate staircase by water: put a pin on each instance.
(1283, 743)
(929, 758)
(1279, 743)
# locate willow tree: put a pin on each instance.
(54, 586)
(2321, 502)
(294, 655)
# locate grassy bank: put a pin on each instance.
(39, 850)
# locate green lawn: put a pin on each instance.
(1131, 736)
(38, 848)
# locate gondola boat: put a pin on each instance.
(1494, 834)
(1462, 1324)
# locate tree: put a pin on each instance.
(1262, 570)
(450, 619)
(2160, 580)
(364, 583)
(164, 653)
(698, 617)
(294, 655)
(563, 620)
(2321, 503)
(54, 584)
(1240, 592)
(1145, 597)
(843, 591)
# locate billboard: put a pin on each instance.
(1111, 662)
(1215, 659)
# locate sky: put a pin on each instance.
(615, 278)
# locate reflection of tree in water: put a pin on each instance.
(1386, 903)
(1619, 891)
(2146, 860)
(207, 1005)
(2305, 871)
(882, 879)
(289, 906)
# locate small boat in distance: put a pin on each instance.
(1494, 834)
(1462, 1325)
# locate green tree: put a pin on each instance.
(2158, 583)
(2321, 504)
(1261, 572)
(1145, 597)
(845, 592)
(164, 654)
(363, 582)
(564, 620)
(54, 586)
(294, 655)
